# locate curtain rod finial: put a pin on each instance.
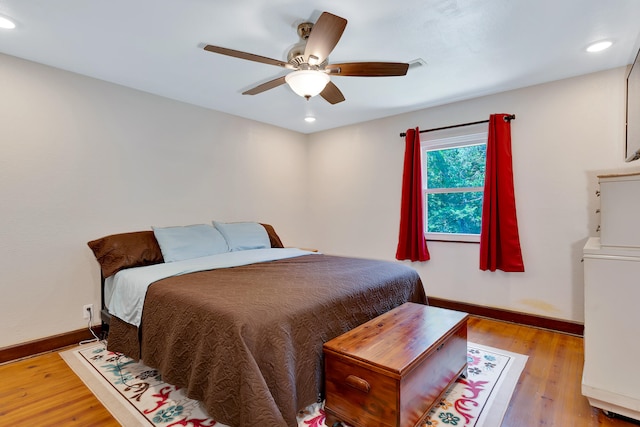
(509, 117)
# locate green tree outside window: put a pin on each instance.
(454, 185)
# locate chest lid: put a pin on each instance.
(398, 340)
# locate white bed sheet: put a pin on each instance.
(125, 291)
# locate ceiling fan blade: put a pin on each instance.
(265, 86)
(368, 69)
(325, 34)
(332, 94)
(247, 56)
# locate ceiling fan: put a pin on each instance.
(310, 60)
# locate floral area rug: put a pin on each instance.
(136, 395)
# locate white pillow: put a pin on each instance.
(189, 241)
(241, 236)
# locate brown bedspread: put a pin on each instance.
(247, 341)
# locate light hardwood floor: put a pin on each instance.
(43, 391)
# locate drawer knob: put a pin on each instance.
(358, 383)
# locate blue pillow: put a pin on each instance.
(189, 241)
(241, 236)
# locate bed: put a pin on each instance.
(246, 340)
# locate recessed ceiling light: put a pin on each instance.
(6, 23)
(309, 119)
(599, 46)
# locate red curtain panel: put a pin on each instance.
(499, 237)
(412, 244)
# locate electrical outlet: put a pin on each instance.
(87, 311)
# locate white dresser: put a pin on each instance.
(612, 300)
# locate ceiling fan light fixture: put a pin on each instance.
(307, 83)
(6, 23)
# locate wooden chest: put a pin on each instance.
(393, 369)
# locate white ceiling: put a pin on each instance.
(471, 48)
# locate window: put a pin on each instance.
(453, 173)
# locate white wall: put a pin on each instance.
(81, 158)
(565, 133)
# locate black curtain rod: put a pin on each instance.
(506, 119)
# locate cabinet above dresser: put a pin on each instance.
(620, 210)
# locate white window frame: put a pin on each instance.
(477, 138)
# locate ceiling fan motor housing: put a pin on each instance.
(295, 56)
